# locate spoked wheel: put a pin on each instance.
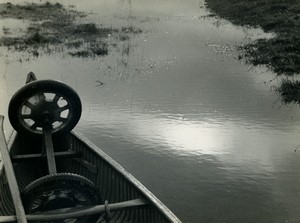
(62, 190)
(43, 100)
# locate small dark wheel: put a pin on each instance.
(63, 190)
(44, 102)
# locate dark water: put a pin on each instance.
(202, 130)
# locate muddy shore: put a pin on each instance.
(280, 54)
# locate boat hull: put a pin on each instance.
(77, 155)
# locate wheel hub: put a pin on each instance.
(61, 200)
(45, 112)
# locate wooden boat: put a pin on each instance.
(58, 175)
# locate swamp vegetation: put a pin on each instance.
(54, 28)
(281, 54)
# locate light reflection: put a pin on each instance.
(189, 137)
(180, 136)
(235, 143)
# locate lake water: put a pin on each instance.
(201, 129)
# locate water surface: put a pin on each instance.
(202, 130)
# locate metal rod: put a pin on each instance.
(77, 212)
(29, 157)
(49, 151)
(11, 178)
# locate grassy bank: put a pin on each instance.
(281, 54)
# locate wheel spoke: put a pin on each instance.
(82, 202)
(70, 220)
(66, 107)
(29, 105)
(26, 116)
(42, 97)
(56, 98)
(62, 119)
(34, 126)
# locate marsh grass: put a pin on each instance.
(97, 49)
(53, 25)
(35, 12)
(280, 54)
(289, 91)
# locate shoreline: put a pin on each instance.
(280, 54)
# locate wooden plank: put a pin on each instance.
(11, 178)
(59, 155)
(78, 212)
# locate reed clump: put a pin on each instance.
(289, 91)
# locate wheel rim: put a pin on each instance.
(62, 190)
(44, 103)
(42, 107)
